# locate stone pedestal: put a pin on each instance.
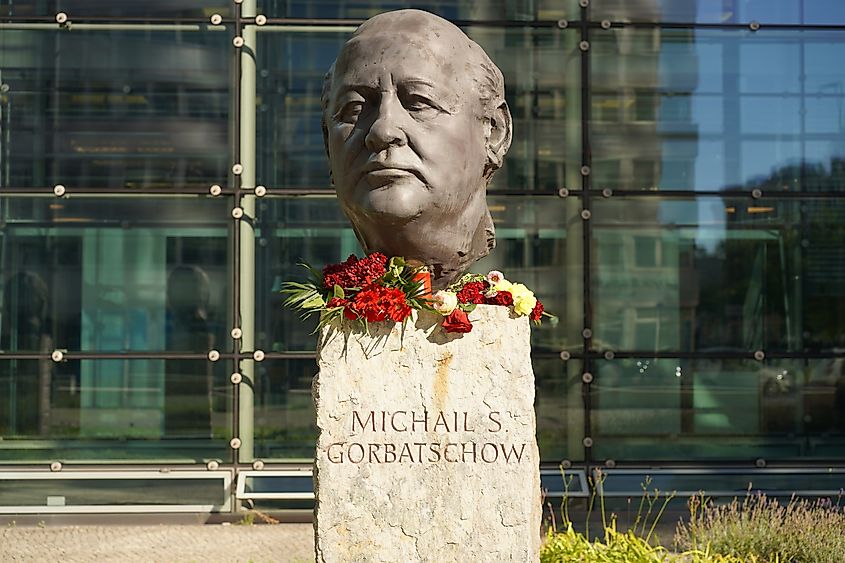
(427, 448)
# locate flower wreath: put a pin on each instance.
(374, 289)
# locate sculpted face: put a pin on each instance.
(406, 134)
(410, 138)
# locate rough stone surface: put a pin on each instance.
(427, 448)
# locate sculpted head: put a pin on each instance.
(415, 124)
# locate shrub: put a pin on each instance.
(763, 529)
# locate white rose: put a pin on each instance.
(444, 302)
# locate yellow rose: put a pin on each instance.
(523, 299)
(503, 285)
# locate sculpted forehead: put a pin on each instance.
(407, 43)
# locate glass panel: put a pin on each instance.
(712, 274)
(172, 9)
(705, 110)
(542, 79)
(449, 9)
(114, 109)
(285, 421)
(559, 406)
(534, 247)
(105, 491)
(114, 274)
(98, 410)
(675, 409)
(823, 12)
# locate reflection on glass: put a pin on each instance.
(285, 422)
(450, 9)
(712, 274)
(542, 80)
(814, 12)
(114, 109)
(537, 245)
(101, 274)
(673, 409)
(705, 110)
(172, 9)
(114, 410)
(559, 407)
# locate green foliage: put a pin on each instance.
(762, 528)
(570, 546)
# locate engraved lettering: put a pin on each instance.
(441, 420)
(371, 420)
(423, 421)
(420, 446)
(390, 449)
(465, 452)
(495, 453)
(374, 452)
(446, 453)
(434, 449)
(466, 424)
(393, 422)
(507, 455)
(339, 457)
(494, 418)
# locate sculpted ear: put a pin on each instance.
(499, 135)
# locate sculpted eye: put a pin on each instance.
(421, 106)
(350, 111)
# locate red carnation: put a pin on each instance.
(378, 303)
(336, 302)
(473, 292)
(503, 298)
(457, 321)
(537, 311)
(354, 272)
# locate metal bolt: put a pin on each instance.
(605, 24)
(235, 443)
(584, 45)
(238, 1)
(756, 193)
(237, 213)
(610, 463)
(56, 466)
(57, 355)
(562, 24)
(587, 377)
(585, 214)
(213, 355)
(609, 355)
(584, 3)
(588, 442)
(565, 464)
(260, 19)
(61, 17)
(607, 192)
(236, 378)
(585, 170)
(215, 190)
(565, 355)
(587, 333)
(237, 169)
(258, 355)
(759, 355)
(212, 465)
(216, 19)
(59, 190)
(4, 87)
(258, 465)
(754, 26)
(238, 41)
(563, 192)
(760, 462)
(236, 333)
(260, 191)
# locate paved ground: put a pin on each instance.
(283, 543)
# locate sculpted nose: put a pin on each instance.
(385, 130)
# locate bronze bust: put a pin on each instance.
(415, 124)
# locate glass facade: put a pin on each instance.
(675, 193)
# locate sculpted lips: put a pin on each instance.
(378, 174)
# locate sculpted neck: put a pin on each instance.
(446, 244)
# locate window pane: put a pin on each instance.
(676, 410)
(285, 421)
(533, 247)
(704, 110)
(114, 274)
(719, 274)
(171, 9)
(542, 80)
(97, 410)
(449, 9)
(823, 12)
(559, 406)
(114, 109)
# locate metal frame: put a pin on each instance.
(237, 190)
(225, 476)
(241, 493)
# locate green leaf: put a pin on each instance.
(338, 292)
